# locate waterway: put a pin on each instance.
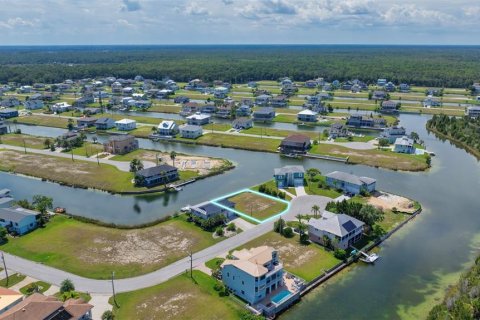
(416, 264)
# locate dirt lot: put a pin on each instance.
(259, 207)
(388, 201)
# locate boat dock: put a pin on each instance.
(325, 157)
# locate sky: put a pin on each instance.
(91, 22)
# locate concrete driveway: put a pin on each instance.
(304, 204)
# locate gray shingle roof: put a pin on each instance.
(288, 169)
(351, 178)
(16, 214)
(337, 224)
(157, 170)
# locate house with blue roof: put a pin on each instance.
(18, 220)
(206, 210)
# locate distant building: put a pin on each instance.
(381, 82)
(8, 113)
(350, 183)
(3, 127)
(307, 116)
(161, 174)
(379, 95)
(105, 123)
(289, 176)
(262, 100)
(6, 199)
(392, 133)
(167, 128)
(190, 131)
(404, 145)
(181, 99)
(338, 130)
(206, 210)
(18, 220)
(120, 144)
(389, 107)
(243, 111)
(242, 123)
(295, 143)
(360, 121)
(279, 101)
(126, 124)
(198, 119)
(86, 122)
(430, 101)
(61, 107)
(266, 114)
(33, 104)
(473, 112)
(404, 87)
(389, 87)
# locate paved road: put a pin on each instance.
(121, 165)
(54, 276)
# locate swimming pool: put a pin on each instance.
(280, 296)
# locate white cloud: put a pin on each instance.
(411, 14)
(17, 23)
(194, 9)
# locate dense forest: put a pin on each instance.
(449, 66)
(465, 131)
(462, 301)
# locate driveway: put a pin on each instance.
(304, 204)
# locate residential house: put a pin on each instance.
(342, 230)
(253, 274)
(49, 96)
(263, 100)
(265, 114)
(105, 123)
(389, 87)
(18, 220)
(139, 96)
(356, 88)
(116, 87)
(434, 92)
(350, 183)
(389, 107)
(379, 95)
(476, 87)
(189, 108)
(120, 144)
(310, 84)
(224, 111)
(246, 101)
(126, 124)
(207, 108)
(190, 131)
(8, 299)
(181, 99)
(10, 102)
(167, 128)
(327, 87)
(243, 111)
(84, 101)
(404, 87)
(86, 122)
(100, 95)
(325, 96)
(138, 78)
(127, 91)
(307, 116)
(25, 89)
(279, 101)
(430, 101)
(3, 127)
(220, 92)
(33, 104)
(360, 121)
(312, 99)
(161, 174)
(338, 130)
(289, 176)
(8, 113)
(198, 119)
(242, 123)
(38, 306)
(381, 82)
(141, 104)
(6, 199)
(404, 145)
(91, 111)
(473, 112)
(165, 94)
(347, 86)
(171, 85)
(60, 107)
(392, 133)
(207, 210)
(295, 143)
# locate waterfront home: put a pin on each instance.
(265, 114)
(430, 101)
(86, 122)
(189, 108)
(263, 100)
(83, 101)
(3, 127)
(207, 108)
(356, 88)
(105, 123)
(404, 145)
(360, 121)
(60, 107)
(246, 101)
(171, 85)
(389, 87)
(473, 112)
(433, 92)
(224, 111)
(279, 101)
(313, 99)
(181, 99)
(8, 113)
(307, 116)
(242, 123)
(33, 104)
(38, 306)
(338, 130)
(141, 104)
(341, 230)
(243, 111)
(91, 111)
(6, 199)
(404, 87)
(327, 87)
(190, 131)
(295, 143)
(198, 119)
(347, 86)
(167, 128)
(10, 102)
(379, 95)
(207, 210)
(325, 96)
(289, 176)
(220, 92)
(389, 107)
(350, 183)
(310, 84)
(8, 299)
(381, 82)
(18, 220)
(392, 133)
(126, 124)
(161, 174)
(120, 144)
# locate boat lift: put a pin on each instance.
(365, 257)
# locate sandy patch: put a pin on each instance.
(387, 201)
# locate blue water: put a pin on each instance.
(280, 296)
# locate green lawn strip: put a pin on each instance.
(217, 127)
(356, 139)
(279, 133)
(272, 185)
(142, 132)
(73, 294)
(13, 279)
(41, 287)
(285, 118)
(39, 120)
(214, 263)
(241, 142)
(306, 261)
(318, 187)
(376, 158)
(94, 251)
(190, 299)
(88, 149)
(18, 140)
(257, 206)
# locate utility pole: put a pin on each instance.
(24, 146)
(98, 160)
(5, 268)
(113, 290)
(191, 264)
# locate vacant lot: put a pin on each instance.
(257, 206)
(48, 121)
(317, 186)
(242, 142)
(305, 261)
(19, 140)
(178, 298)
(93, 251)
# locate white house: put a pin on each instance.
(307, 116)
(198, 119)
(126, 124)
(350, 183)
(392, 133)
(220, 92)
(190, 131)
(60, 107)
(404, 145)
(167, 128)
(342, 230)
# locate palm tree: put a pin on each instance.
(173, 155)
(47, 143)
(315, 210)
(70, 124)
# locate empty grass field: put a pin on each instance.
(257, 206)
(13, 279)
(241, 142)
(19, 140)
(94, 251)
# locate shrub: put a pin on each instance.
(315, 142)
(231, 227)
(219, 231)
(262, 188)
(340, 254)
(288, 232)
(66, 286)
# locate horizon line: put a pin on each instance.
(244, 44)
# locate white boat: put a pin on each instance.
(178, 188)
(185, 209)
(369, 258)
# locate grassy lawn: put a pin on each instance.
(217, 127)
(47, 121)
(73, 294)
(257, 206)
(164, 108)
(94, 251)
(285, 118)
(214, 263)
(375, 158)
(13, 279)
(305, 261)
(314, 187)
(30, 141)
(356, 139)
(272, 185)
(178, 298)
(41, 285)
(242, 142)
(280, 133)
(142, 132)
(88, 149)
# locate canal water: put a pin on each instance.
(416, 264)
